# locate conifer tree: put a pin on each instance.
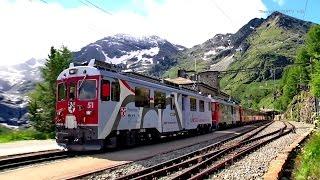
(42, 99)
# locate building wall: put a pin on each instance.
(210, 78)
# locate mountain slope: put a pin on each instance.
(136, 53)
(15, 82)
(273, 44)
(212, 52)
(260, 44)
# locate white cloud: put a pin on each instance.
(29, 28)
(279, 2)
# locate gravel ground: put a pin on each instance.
(139, 165)
(252, 166)
(256, 164)
(273, 127)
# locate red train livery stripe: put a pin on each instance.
(127, 86)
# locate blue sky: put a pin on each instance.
(31, 27)
(295, 8)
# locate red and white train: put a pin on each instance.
(98, 106)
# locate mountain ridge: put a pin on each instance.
(259, 43)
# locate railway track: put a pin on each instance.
(204, 162)
(14, 161)
(252, 132)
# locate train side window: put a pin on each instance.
(201, 106)
(172, 103)
(142, 97)
(115, 91)
(183, 102)
(62, 92)
(159, 100)
(193, 104)
(209, 106)
(105, 90)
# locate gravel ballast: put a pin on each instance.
(252, 166)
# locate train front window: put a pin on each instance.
(62, 92)
(72, 91)
(87, 90)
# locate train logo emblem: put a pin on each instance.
(123, 111)
(71, 107)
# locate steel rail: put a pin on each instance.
(173, 164)
(14, 161)
(201, 170)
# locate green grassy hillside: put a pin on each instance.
(266, 50)
(271, 45)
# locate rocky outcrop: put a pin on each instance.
(302, 108)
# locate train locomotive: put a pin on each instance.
(98, 106)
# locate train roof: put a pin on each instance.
(95, 67)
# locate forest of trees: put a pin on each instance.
(304, 74)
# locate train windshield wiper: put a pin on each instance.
(82, 82)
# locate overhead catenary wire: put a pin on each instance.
(98, 7)
(259, 69)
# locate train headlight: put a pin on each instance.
(59, 112)
(88, 112)
(73, 71)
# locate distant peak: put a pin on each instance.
(276, 13)
(136, 37)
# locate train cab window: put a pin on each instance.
(87, 90)
(159, 100)
(201, 106)
(209, 106)
(193, 104)
(105, 90)
(62, 92)
(72, 91)
(115, 91)
(142, 97)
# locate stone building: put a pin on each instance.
(210, 78)
(207, 83)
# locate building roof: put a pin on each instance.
(180, 80)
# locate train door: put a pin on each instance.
(185, 109)
(215, 108)
(170, 120)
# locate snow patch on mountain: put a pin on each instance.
(138, 54)
(21, 73)
(15, 82)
